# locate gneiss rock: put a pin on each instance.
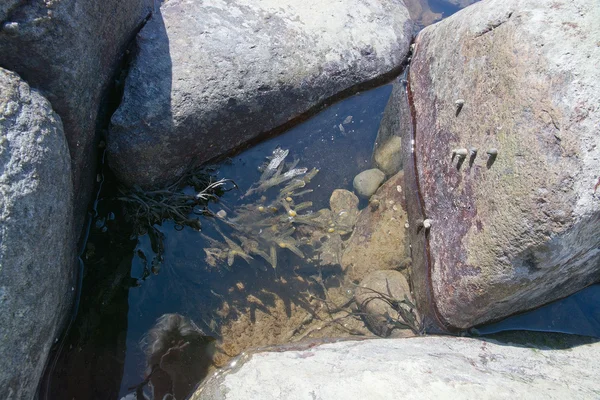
(367, 182)
(70, 50)
(442, 367)
(519, 226)
(209, 76)
(36, 243)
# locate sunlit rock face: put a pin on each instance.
(415, 368)
(70, 50)
(209, 76)
(515, 223)
(36, 244)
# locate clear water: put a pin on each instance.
(122, 298)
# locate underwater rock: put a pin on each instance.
(344, 209)
(70, 50)
(330, 252)
(388, 157)
(374, 297)
(367, 182)
(379, 237)
(208, 76)
(387, 152)
(517, 228)
(432, 367)
(37, 248)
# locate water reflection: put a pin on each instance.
(178, 356)
(578, 314)
(427, 12)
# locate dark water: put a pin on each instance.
(122, 299)
(578, 314)
(443, 7)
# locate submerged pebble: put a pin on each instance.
(367, 182)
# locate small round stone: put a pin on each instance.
(367, 182)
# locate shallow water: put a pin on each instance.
(250, 304)
(578, 314)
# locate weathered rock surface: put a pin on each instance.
(209, 76)
(378, 240)
(69, 49)
(36, 243)
(367, 182)
(373, 299)
(414, 368)
(520, 229)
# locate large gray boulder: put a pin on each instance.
(36, 243)
(70, 50)
(208, 76)
(516, 225)
(413, 368)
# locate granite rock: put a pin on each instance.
(70, 50)
(209, 76)
(37, 251)
(412, 368)
(515, 225)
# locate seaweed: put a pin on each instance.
(258, 229)
(146, 208)
(262, 228)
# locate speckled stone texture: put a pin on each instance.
(211, 75)
(413, 368)
(515, 231)
(70, 50)
(37, 251)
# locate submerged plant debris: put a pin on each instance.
(263, 227)
(277, 219)
(182, 201)
(273, 217)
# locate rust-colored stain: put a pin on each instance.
(597, 185)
